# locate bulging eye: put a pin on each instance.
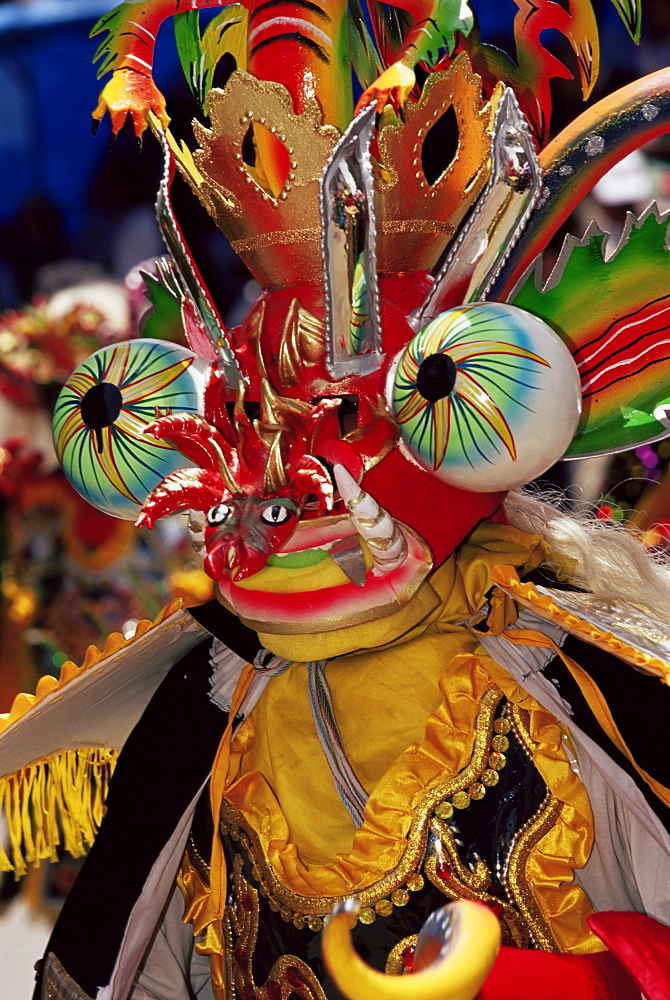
(276, 514)
(218, 514)
(486, 396)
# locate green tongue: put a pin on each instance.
(298, 560)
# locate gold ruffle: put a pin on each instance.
(46, 685)
(568, 844)
(527, 594)
(419, 730)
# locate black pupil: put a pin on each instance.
(436, 377)
(100, 407)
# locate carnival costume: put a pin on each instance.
(400, 696)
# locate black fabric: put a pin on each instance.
(165, 760)
(640, 706)
(228, 628)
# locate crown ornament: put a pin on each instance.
(279, 236)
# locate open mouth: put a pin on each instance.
(325, 578)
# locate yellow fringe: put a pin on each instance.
(59, 801)
(55, 803)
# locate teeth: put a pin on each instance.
(348, 555)
(196, 530)
(381, 532)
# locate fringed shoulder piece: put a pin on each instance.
(622, 629)
(58, 747)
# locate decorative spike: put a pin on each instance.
(274, 477)
(190, 284)
(382, 533)
(496, 221)
(277, 411)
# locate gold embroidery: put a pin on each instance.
(289, 974)
(517, 884)
(57, 984)
(417, 838)
(457, 881)
(395, 963)
(432, 851)
(523, 843)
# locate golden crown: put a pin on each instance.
(279, 238)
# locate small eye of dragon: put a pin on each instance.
(218, 514)
(276, 514)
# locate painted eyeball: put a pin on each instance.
(275, 514)
(486, 397)
(101, 414)
(218, 514)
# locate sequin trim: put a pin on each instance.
(403, 876)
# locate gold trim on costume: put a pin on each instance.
(57, 984)
(233, 822)
(240, 930)
(620, 629)
(518, 886)
(395, 965)
(520, 915)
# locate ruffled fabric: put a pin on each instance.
(416, 702)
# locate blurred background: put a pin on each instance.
(76, 228)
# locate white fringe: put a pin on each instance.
(609, 559)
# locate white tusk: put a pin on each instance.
(381, 532)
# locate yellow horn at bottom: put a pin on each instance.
(465, 937)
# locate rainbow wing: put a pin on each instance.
(614, 316)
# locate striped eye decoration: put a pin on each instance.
(101, 413)
(486, 396)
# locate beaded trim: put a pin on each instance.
(381, 897)
(289, 976)
(433, 847)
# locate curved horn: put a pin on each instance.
(180, 491)
(198, 440)
(468, 940)
(382, 533)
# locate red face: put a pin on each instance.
(243, 532)
(355, 524)
(442, 515)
